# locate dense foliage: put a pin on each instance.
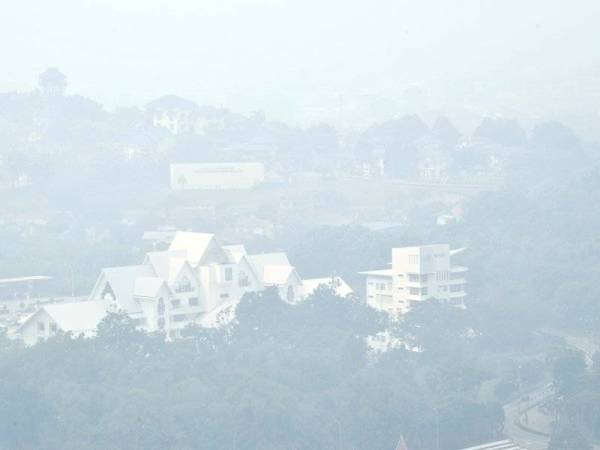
(281, 377)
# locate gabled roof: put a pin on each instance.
(401, 445)
(73, 316)
(148, 286)
(236, 252)
(122, 282)
(277, 275)
(195, 244)
(261, 260)
(167, 102)
(167, 264)
(339, 286)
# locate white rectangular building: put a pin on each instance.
(416, 274)
(216, 176)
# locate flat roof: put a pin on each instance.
(24, 279)
(381, 273)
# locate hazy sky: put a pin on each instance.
(287, 55)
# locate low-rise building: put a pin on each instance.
(416, 274)
(193, 279)
(77, 318)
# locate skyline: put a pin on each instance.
(307, 62)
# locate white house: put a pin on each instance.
(78, 318)
(416, 274)
(193, 281)
(174, 113)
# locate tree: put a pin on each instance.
(445, 131)
(501, 131)
(569, 436)
(568, 370)
(118, 331)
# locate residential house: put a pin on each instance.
(77, 318)
(194, 280)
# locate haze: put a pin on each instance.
(350, 63)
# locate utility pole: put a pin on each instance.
(339, 430)
(72, 282)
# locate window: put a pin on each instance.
(290, 294)
(193, 301)
(184, 285)
(442, 288)
(457, 288)
(244, 280)
(413, 278)
(224, 295)
(442, 276)
(160, 308)
(424, 291)
(228, 274)
(456, 302)
(381, 286)
(175, 303)
(414, 291)
(53, 328)
(179, 318)
(413, 259)
(41, 326)
(424, 278)
(161, 323)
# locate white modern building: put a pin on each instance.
(197, 280)
(416, 274)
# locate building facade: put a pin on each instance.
(194, 280)
(416, 274)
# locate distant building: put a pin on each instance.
(432, 169)
(416, 274)
(174, 113)
(216, 176)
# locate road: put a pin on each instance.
(527, 440)
(534, 441)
